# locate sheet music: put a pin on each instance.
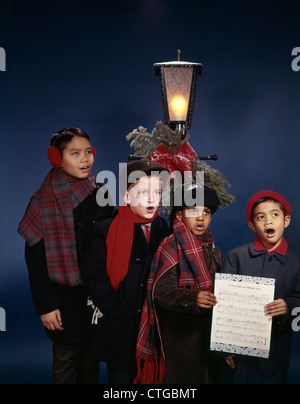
(239, 323)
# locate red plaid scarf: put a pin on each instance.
(49, 215)
(181, 247)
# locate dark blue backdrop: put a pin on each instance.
(89, 64)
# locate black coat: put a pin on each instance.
(71, 301)
(116, 332)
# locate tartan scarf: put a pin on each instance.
(119, 243)
(49, 215)
(185, 249)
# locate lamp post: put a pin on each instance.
(178, 90)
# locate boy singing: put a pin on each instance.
(116, 268)
(54, 226)
(268, 255)
(173, 342)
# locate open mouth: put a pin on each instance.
(150, 209)
(270, 232)
(85, 168)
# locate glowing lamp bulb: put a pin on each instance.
(178, 108)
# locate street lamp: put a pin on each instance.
(178, 90)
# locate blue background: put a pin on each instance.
(90, 64)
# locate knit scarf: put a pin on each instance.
(185, 249)
(49, 215)
(119, 243)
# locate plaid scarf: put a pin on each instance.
(185, 249)
(49, 215)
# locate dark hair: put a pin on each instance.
(64, 136)
(265, 199)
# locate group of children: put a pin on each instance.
(149, 287)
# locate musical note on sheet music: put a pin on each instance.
(239, 323)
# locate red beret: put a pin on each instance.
(267, 194)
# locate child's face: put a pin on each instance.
(269, 223)
(144, 196)
(197, 219)
(77, 158)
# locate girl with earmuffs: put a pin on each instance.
(55, 225)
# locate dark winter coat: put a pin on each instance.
(285, 269)
(185, 328)
(116, 332)
(71, 301)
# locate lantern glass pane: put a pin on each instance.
(178, 82)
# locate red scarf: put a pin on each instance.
(185, 249)
(119, 243)
(49, 215)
